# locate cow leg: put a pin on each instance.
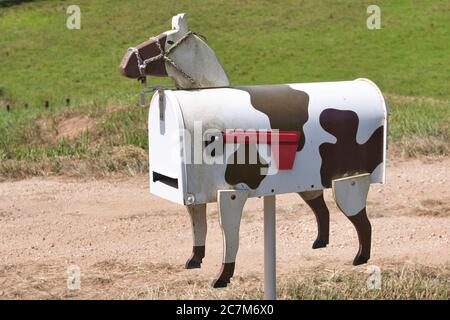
(198, 223)
(350, 194)
(231, 203)
(364, 230)
(315, 201)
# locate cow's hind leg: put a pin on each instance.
(364, 230)
(350, 194)
(231, 204)
(198, 222)
(315, 201)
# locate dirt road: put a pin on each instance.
(130, 244)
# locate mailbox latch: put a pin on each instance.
(162, 105)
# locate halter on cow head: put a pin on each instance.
(178, 53)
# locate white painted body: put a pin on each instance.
(230, 108)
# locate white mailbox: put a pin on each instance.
(337, 129)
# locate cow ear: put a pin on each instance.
(179, 22)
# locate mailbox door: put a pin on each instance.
(166, 136)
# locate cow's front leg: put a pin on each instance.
(231, 203)
(316, 202)
(198, 222)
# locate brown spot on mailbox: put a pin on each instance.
(246, 172)
(286, 108)
(347, 157)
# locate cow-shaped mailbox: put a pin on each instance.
(210, 142)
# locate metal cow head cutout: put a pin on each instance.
(178, 53)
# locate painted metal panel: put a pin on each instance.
(166, 133)
(222, 109)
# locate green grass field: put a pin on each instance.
(258, 42)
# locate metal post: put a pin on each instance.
(269, 249)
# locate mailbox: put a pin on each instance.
(304, 136)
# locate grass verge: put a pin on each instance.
(102, 141)
(398, 282)
(258, 42)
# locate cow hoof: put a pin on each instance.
(219, 283)
(224, 276)
(319, 244)
(195, 260)
(360, 260)
(193, 264)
